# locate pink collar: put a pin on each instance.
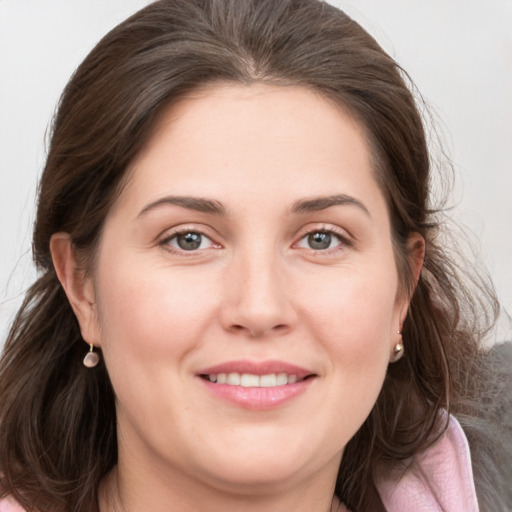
(438, 480)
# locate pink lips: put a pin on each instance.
(257, 368)
(257, 398)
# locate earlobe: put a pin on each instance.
(78, 287)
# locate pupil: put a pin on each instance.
(189, 241)
(319, 240)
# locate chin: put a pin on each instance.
(267, 467)
(252, 479)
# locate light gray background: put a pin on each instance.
(458, 52)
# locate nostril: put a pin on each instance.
(258, 331)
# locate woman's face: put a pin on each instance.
(245, 294)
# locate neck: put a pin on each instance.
(145, 479)
(121, 492)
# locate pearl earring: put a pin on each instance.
(398, 350)
(91, 359)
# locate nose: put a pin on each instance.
(258, 297)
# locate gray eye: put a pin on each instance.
(189, 241)
(319, 240)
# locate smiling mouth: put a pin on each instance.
(249, 380)
(257, 385)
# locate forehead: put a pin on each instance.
(251, 139)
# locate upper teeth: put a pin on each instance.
(249, 380)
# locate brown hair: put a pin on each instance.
(58, 423)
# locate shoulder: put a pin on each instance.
(490, 432)
(438, 479)
(8, 504)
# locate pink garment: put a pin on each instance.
(439, 480)
(9, 505)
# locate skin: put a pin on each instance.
(255, 289)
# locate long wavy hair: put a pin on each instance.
(57, 418)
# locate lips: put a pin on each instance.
(257, 385)
(257, 368)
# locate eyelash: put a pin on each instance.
(344, 241)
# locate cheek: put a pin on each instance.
(358, 309)
(354, 322)
(149, 325)
(146, 312)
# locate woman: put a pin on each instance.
(243, 301)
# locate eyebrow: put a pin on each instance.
(315, 204)
(197, 204)
(211, 206)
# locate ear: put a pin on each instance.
(78, 287)
(416, 252)
(415, 257)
